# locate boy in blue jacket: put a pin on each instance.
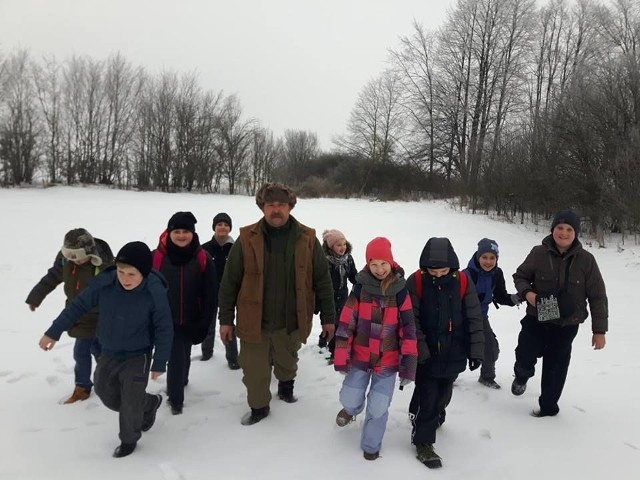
(135, 320)
(490, 286)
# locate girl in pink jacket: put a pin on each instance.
(375, 341)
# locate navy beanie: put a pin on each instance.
(182, 221)
(136, 254)
(486, 245)
(222, 217)
(569, 217)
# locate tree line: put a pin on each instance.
(512, 107)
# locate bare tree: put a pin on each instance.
(233, 141)
(265, 152)
(18, 128)
(48, 84)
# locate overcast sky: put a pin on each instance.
(295, 64)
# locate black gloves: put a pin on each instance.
(474, 364)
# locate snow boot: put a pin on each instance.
(371, 456)
(343, 418)
(489, 382)
(255, 415)
(539, 413)
(427, 456)
(79, 394)
(150, 417)
(518, 386)
(285, 391)
(124, 449)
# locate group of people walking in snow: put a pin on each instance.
(144, 310)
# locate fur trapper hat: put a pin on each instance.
(275, 192)
(78, 244)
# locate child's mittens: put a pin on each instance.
(474, 364)
(515, 299)
(404, 382)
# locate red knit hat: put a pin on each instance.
(379, 249)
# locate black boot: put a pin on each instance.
(150, 415)
(232, 354)
(124, 449)
(255, 415)
(285, 391)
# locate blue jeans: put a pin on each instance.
(82, 351)
(352, 398)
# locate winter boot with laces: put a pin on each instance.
(79, 394)
(343, 418)
(427, 456)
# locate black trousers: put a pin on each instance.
(121, 385)
(552, 343)
(431, 396)
(491, 351)
(231, 348)
(178, 367)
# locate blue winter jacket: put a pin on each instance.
(490, 286)
(131, 322)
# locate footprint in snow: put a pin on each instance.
(53, 380)
(485, 433)
(580, 409)
(169, 472)
(21, 377)
(4, 373)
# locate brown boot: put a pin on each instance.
(79, 393)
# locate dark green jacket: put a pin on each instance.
(291, 289)
(75, 279)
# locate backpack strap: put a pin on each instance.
(418, 279)
(158, 256)
(464, 280)
(202, 259)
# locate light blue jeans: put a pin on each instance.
(352, 398)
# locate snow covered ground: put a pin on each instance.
(488, 434)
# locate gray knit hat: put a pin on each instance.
(78, 244)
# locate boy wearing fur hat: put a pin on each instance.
(490, 285)
(193, 292)
(557, 279)
(449, 331)
(219, 247)
(341, 268)
(274, 273)
(80, 259)
(135, 332)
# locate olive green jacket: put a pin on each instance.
(75, 279)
